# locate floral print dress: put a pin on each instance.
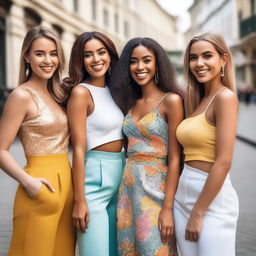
(141, 192)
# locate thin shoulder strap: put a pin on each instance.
(162, 100)
(213, 98)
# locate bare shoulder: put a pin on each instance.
(19, 96)
(80, 92)
(226, 98)
(172, 100)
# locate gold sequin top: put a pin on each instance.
(47, 133)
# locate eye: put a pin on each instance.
(192, 57)
(146, 61)
(102, 53)
(207, 56)
(132, 61)
(39, 54)
(87, 55)
(54, 54)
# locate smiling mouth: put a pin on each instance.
(141, 75)
(200, 72)
(97, 67)
(47, 69)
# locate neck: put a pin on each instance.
(99, 82)
(213, 86)
(150, 91)
(38, 83)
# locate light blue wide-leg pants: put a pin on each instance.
(103, 172)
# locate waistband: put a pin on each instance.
(194, 172)
(48, 159)
(104, 155)
(146, 158)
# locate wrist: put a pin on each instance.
(25, 181)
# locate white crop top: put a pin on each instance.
(104, 124)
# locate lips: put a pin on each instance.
(97, 67)
(47, 69)
(201, 72)
(141, 75)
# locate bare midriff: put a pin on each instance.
(113, 146)
(201, 165)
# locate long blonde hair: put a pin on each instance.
(195, 90)
(53, 84)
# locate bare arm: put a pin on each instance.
(225, 109)
(174, 117)
(77, 111)
(16, 109)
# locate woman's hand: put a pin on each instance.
(165, 223)
(194, 227)
(34, 184)
(81, 216)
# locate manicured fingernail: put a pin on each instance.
(53, 190)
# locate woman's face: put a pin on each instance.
(142, 65)
(43, 58)
(96, 58)
(205, 62)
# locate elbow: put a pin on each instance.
(224, 164)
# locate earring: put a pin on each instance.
(222, 71)
(156, 77)
(27, 69)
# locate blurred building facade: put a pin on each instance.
(235, 20)
(119, 19)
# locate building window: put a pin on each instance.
(126, 29)
(2, 53)
(31, 18)
(116, 23)
(94, 10)
(105, 17)
(58, 29)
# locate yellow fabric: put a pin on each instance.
(42, 225)
(198, 138)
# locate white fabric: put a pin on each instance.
(105, 123)
(219, 223)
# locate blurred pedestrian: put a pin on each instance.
(206, 205)
(42, 218)
(146, 90)
(96, 134)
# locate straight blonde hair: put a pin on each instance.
(53, 84)
(194, 89)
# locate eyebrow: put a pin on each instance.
(102, 48)
(144, 57)
(44, 51)
(206, 52)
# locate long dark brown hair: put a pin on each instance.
(53, 85)
(125, 90)
(77, 71)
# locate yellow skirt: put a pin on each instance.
(42, 225)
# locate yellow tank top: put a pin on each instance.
(198, 137)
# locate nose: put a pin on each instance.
(47, 58)
(140, 65)
(96, 58)
(199, 62)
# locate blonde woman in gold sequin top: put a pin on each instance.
(42, 222)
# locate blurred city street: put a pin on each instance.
(243, 176)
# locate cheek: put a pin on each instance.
(86, 64)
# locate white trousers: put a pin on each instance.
(218, 234)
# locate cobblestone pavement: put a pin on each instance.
(243, 175)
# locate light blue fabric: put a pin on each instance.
(103, 176)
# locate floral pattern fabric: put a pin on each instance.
(141, 192)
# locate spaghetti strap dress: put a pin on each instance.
(141, 192)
